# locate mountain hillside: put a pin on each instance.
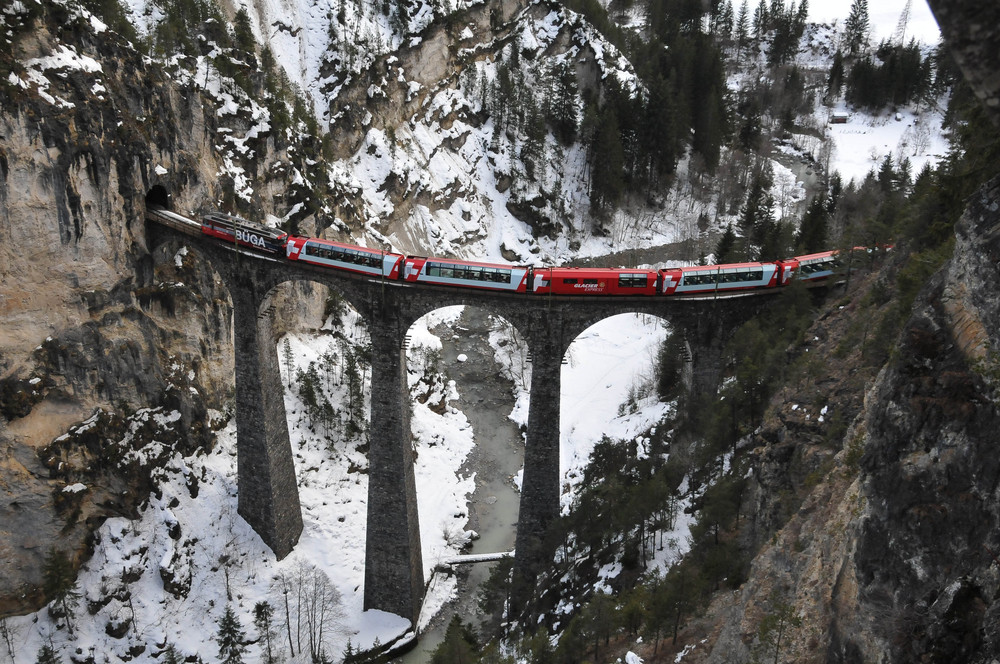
(532, 133)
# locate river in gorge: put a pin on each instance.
(486, 399)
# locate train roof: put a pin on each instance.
(231, 220)
(455, 261)
(601, 270)
(817, 256)
(723, 268)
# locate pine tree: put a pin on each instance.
(46, 655)
(836, 81)
(812, 235)
(724, 20)
(171, 656)
(757, 216)
(562, 105)
(243, 38)
(742, 29)
(710, 123)
(263, 614)
(761, 21)
(886, 175)
(59, 584)
(773, 628)
(533, 149)
(231, 638)
(856, 27)
(459, 645)
(801, 17)
(607, 179)
(725, 250)
(785, 42)
(775, 11)
(289, 357)
(660, 129)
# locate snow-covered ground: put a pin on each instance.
(197, 539)
(862, 143)
(608, 389)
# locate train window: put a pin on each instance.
(590, 281)
(702, 278)
(569, 281)
(632, 281)
(693, 280)
(447, 272)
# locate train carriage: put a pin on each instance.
(814, 268)
(345, 257)
(705, 279)
(819, 267)
(594, 281)
(447, 272)
(245, 233)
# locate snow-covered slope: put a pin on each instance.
(166, 577)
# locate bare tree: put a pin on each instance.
(9, 633)
(312, 606)
(509, 342)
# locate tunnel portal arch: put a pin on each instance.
(158, 196)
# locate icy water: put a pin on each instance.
(486, 399)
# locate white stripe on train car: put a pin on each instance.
(517, 278)
(765, 279)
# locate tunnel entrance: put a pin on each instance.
(157, 197)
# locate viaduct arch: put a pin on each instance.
(268, 494)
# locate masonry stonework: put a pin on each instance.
(268, 495)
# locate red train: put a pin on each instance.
(679, 281)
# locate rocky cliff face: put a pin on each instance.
(95, 328)
(893, 557)
(930, 526)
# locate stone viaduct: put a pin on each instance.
(268, 495)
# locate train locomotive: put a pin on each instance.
(698, 280)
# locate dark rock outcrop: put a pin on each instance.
(91, 321)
